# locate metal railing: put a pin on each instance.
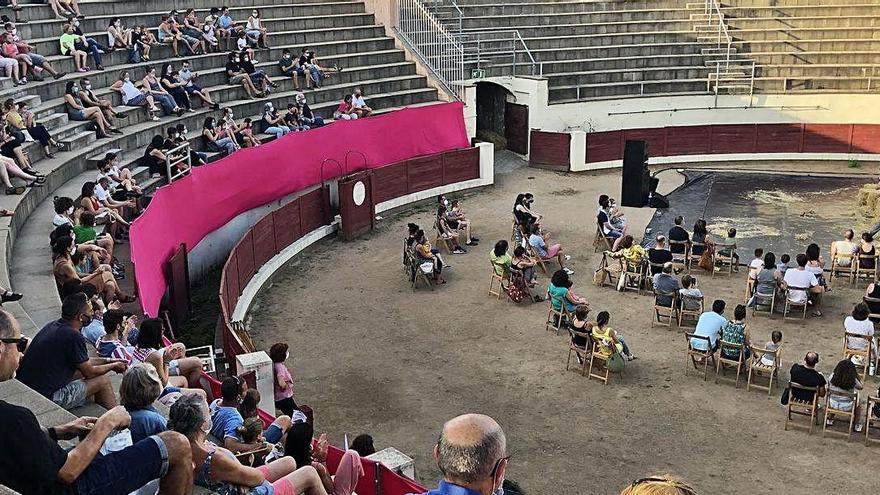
(488, 47)
(177, 162)
(726, 68)
(432, 42)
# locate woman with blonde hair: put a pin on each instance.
(658, 485)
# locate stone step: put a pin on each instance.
(78, 140)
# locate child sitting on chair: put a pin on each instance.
(726, 248)
(757, 264)
(773, 345)
(782, 266)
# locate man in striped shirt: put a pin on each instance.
(114, 344)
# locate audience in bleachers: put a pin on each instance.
(20, 118)
(118, 36)
(165, 100)
(76, 110)
(256, 33)
(135, 96)
(142, 41)
(308, 118)
(173, 86)
(114, 343)
(217, 139)
(140, 388)
(359, 104)
(65, 9)
(187, 77)
(272, 123)
(308, 451)
(363, 445)
(345, 110)
(170, 361)
(238, 76)
(87, 44)
(226, 419)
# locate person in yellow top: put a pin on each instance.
(500, 259)
(629, 250)
(605, 336)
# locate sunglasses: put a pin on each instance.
(21, 343)
(685, 489)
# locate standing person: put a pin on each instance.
(31, 461)
(282, 379)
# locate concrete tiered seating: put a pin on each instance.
(339, 30)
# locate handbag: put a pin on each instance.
(599, 277)
(616, 363)
(784, 399)
(706, 261)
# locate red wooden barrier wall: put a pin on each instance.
(550, 150)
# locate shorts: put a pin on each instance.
(125, 471)
(273, 433)
(553, 250)
(190, 39)
(76, 115)
(192, 88)
(237, 79)
(71, 395)
(37, 59)
(137, 101)
(7, 62)
(843, 405)
(174, 368)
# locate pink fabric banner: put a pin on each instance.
(190, 208)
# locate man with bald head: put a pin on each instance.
(807, 376)
(472, 455)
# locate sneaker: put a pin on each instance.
(568, 271)
(567, 257)
(859, 427)
(459, 251)
(10, 296)
(475, 239)
(829, 422)
(471, 243)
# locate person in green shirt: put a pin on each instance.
(500, 259)
(67, 42)
(85, 231)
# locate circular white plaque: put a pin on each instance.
(359, 193)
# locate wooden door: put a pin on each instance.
(356, 205)
(516, 127)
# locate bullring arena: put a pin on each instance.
(245, 250)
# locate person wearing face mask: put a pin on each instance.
(282, 379)
(77, 111)
(359, 104)
(19, 118)
(118, 36)
(191, 26)
(151, 83)
(306, 115)
(187, 77)
(290, 68)
(134, 97)
(90, 99)
(58, 352)
(216, 139)
(87, 44)
(39, 62)
(255, 30)
(273, 123)
(260, 79)
(67, 42)
(237, 76)
(174, 87)
(196, 157)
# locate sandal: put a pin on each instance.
(6, 213)
(35, 183)
(15, 190)
(9, 296)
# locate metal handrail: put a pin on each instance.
(713, 10)
(175, 157)
(478, 37)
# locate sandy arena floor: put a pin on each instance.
(370, 355)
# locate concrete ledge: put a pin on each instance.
(734, 157)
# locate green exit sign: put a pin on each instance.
(478, 73)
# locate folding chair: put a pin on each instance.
(556, 317)
(848, 269)
(602, 242)
(650, 271)
(793, 304)
(764, 300)
(699, 356)
(419, 270)
(516, 235)
(831, 412)
(669, 311)
(863, 355)
(722, 260)
(541, 261)
(440, 240)
(505, 275)
(870, 418)
(722, 362)
(583, 353)
(693, 314)
(518, 279)
(802, 408)
(601, 360)
(680, 259)
(696, 257)
(750, 288)
(604, 266)
(758, 368)
(634, 276)
(869, 274)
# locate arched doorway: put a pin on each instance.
(500, 120)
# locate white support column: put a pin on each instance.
(577, 152)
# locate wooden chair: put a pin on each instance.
(505, 276)
(802, 408)
(870, 418)
(831, 412)
(758, 368)
(583, 353)
(669, 312)
(792, 304)
(869, 274)
(602, 242)
(750, 288)
(680, 260)
(721, 260)
(694, 259)
(848, 270)
(864, 355)
(693, 314)
(764, 300)
(649, 275)
(605, 266)
(556, 317)
(419, 270)
(518, 278)
(723, 362)
(634, 276)
(442, 242)
(517, 238)
(541, 261)
(601, 361)
(699, 356)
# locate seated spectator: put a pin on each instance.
(608, 340)
(169, 32)
(725, 248)
(559, 291)
(842, 252)
(282, 379)
(8, 167)
(701, 236)
(859, 323)
(77, 111)
(526, 264)
(807, 376)
(773, 344)
(66, 9)
(306, 451)
(471, 453)
(546, 252)
(227, 419)
(805, 281)
(58, 352)
(447, 232)
(94, 331)
(237, 75)
(782, 266)
(34, 463)
(756, 264)
(456, 219)
(604, 221)
(630, 252)
(658, 485)
(39, 62)
(89, 99)
(210, 36)
(188, 77)
(235, 130)
(90, 202)
(816, 264)
(293, 118)
(10, 67)
(359, 104)
(290, 68)
(10, 51)
(170, 361)
(710, 325)
(866, 248)
(151, 83)
(118, 36)
(16, 9)
(114, 343)
(844, 378)
(580, 324)
(192, 27)
(20, 118)
(217, 140)
(102, 277)
(309, 62)
(308, 118)
(735, 332)
(142, 42)
(11, 147)
(255, 31)
(260, 79)
(154, 157)
(659, 254)
(87, 44)
(424, 253)
(218, 470)
(177, 137)
(173, 86)
(247, 135)
(363, 445)
(665, 283)
(873, 291)
(250, 408)
(133, 96)
(67, 43)
(767, 279)
(500, 259)
(227, 27)
(272, 123)
(139, 389)
(615, 215)
(678, 234)
(345, 110)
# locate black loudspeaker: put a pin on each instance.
(658, 201)
(636, 180)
